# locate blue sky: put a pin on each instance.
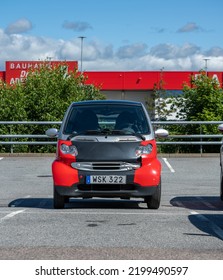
(120, 34)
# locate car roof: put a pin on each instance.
(114, 102)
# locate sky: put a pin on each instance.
(119, 35)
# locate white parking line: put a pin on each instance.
(168, 165)
(215, 228)
(90, 213)
(11, 215)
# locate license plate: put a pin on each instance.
(106, 179)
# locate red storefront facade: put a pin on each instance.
(144, 80)
(133, 85)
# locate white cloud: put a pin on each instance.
(20, 47)
(170, 51)
(76, 25)
(100, 57)
(129, 51)
(20, 26)
(190, 27)
(215, 51)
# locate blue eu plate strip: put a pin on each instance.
(88, 179)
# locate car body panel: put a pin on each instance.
(115, 142)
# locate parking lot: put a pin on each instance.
(188, 225)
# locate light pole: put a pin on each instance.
(82, 39)
(206, 65)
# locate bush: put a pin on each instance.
(200, 101)
(44, 96)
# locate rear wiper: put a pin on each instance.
(106, 132)
(128, 132)
(139, 135)
(87, 132)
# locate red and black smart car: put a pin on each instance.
(106, 149)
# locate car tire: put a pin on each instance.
(153, 201)
(58, 200)
(221, 186)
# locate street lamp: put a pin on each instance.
(82, 39)
(206, 65)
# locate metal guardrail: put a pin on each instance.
(32, 136)
(191, 136)
(200, 136)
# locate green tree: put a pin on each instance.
(12, 101)
(159, 104)
(44, 96)
(50, 91)
(200, 101)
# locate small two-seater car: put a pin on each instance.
(106, 149)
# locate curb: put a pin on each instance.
(193, 155)
(27, 155)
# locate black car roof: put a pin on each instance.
(115, 102)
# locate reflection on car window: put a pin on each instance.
(110, 117)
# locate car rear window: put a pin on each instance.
(106, 116)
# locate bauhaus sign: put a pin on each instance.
(17, 71)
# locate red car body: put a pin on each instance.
(107, 160)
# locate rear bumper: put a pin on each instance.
(139, 183)
(76, 191)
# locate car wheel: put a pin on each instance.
(221, 186)
(58, 200)
(153, 201)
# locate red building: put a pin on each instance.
(132, 85)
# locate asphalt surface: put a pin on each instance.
(188, 225)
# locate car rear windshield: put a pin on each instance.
(110, 117)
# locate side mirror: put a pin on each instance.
(160, 132)
(52, 132)
(220, 127)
